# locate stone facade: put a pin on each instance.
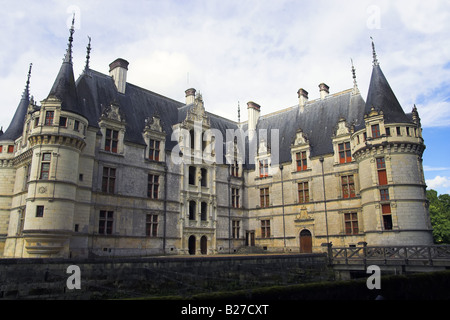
(105, 168)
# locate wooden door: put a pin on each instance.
(305, 241)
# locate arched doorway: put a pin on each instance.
(204, 245)
(191, 244)
(305, 241)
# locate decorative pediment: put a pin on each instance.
(373, 112)
(263, 149)
(303, 216)
(342, 128)
(153, 123)
(197, 113)
(300, 138)
(113, 112)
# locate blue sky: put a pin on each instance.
(239, 51)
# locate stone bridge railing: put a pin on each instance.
(394, 255)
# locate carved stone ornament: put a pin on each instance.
(300, 138)
(113, 112)
(153, 124)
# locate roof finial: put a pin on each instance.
(239, 112)
(355, 84)
(68, 57)
(374, 53)
(88, 48)
(26, 92)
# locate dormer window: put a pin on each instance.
(235, 169)
(154, 150)
(49, 115)
(111, 140)
(345, 154)
(302, 163)
(376, 131)
(263, 168)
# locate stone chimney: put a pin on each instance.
(253, 115)
(302, 97)
(190, 96)
(324, 90)
(118, 71)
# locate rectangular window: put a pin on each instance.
(203, 211)
(76, 125)
(105, 222)
(408, 131)
(235, 169)
(154, 150)
(381, 168)
(384, 195)
(302, 162)
(1, 149)
(388, 132)
(399, 133)
(345, 154)
(151, 225)
(348, 187)
(264, 197)
(387, 217)
(62, 121)
(192, 171)
(351, 223)
(109, 180)
(376, 131)
(45, 166)
(204, 177)
(36, 122)
(265, 229)
(49, 118)
(39, 211)
(153, 186)
(192, 210)
(235, 197)
(11, 148)
(235, 229)
(263, 168)
(303, 192)
(111, 140)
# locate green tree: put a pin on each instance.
(439, 207)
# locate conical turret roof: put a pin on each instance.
(15, 128)
(64, 87)
(382, 98)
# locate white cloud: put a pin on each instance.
(430, 168)
(235, 50)
(440, 184)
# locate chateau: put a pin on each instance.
(102, 167)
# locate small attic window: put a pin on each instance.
(62, 121)
(11, 148)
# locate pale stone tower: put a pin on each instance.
(56, 139)
(388, 147)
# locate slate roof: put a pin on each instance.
(318, 120)
(15, 128)
(96, 91)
